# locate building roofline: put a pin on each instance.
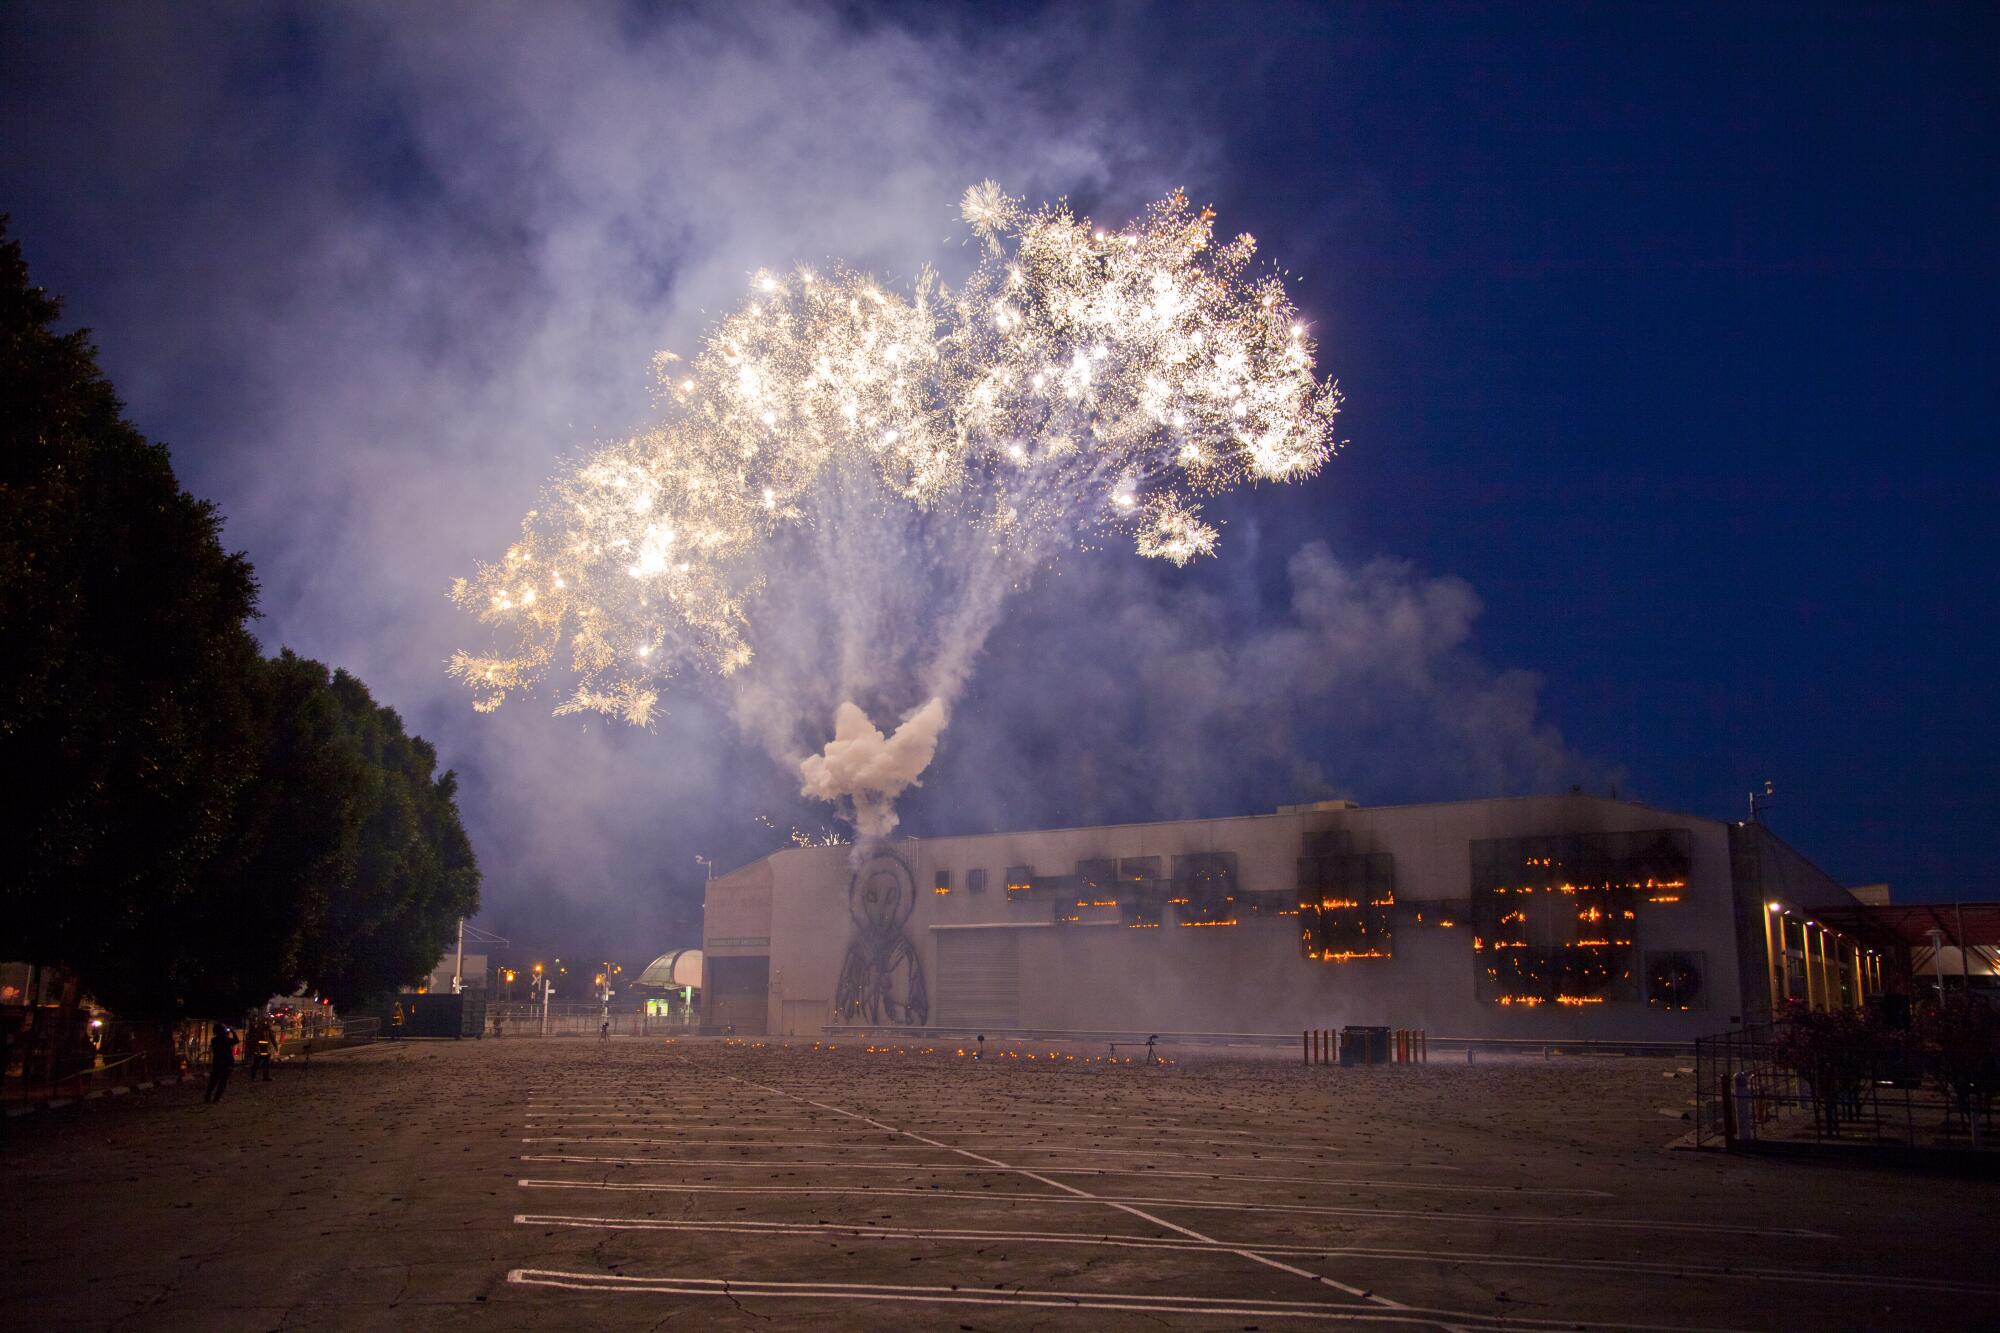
(1268, 814)
(1293, 814)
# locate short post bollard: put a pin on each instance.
(1746, 1104)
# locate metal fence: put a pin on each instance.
(331, 1035)
(509, 1020)
(88, 1056)
(92, 1055)
(1289, 1042)
(1754, 1087)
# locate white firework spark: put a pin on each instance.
(1082, 378)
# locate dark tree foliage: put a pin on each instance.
(1835, 1051)
(1963, 1030)
(191, 827)
(412, 873)
(125, 726)
(289, 852)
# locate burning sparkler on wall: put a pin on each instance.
(847, 483)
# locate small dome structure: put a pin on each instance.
(671, 971)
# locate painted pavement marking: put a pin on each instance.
(1132, 1204)
(1110, 1302)
(1293, 1179)
(1270, 1159)
(1480, 1258)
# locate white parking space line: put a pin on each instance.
(1268, 1159)
(1010, 1141)
(762, 1163)
(1133, 1203)
(1472, 1258)
(1109, 1302)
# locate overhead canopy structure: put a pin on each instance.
(672, 971)
(1973, 928)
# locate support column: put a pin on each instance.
(1805, 961)
(1773, 966)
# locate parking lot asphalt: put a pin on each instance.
(637, 1183)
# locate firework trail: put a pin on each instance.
(847, 483)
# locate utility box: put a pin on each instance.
(462, 1015)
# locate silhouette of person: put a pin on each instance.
(221, 1060)
(262, 1044)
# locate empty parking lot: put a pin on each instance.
(579, 1183)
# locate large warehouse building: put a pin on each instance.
(1575, 917)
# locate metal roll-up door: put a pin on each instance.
(979, 978)
(737, 993)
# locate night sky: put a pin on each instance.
(1667, 335)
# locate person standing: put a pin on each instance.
(262, 1043)
(221, 1060)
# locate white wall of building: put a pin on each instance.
(791, 910)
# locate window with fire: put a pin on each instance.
(1204, 889)
(1556, 919)
(1346, 899)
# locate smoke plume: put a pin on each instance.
(871, 770)
(368, 267)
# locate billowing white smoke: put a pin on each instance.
(871, 770)
(848, 483)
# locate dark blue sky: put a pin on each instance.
(1673, 330)
(1669, 330)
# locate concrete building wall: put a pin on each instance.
(1098, 973)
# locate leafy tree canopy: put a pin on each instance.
(124, 721)
(193, 827)
(412, 873)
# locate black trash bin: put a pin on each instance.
(1364, 1046)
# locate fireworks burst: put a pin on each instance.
(842, 452)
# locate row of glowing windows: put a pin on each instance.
(1608, 886)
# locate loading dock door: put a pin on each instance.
(979, 978)
(738, 992)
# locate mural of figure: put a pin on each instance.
(882, 978)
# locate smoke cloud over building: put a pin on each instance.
(440, 255)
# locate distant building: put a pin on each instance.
(439, 981)
(1576, 917)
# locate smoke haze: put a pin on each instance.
(376, 268)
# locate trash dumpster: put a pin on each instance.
(461, 1015)
(1364, 1046)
